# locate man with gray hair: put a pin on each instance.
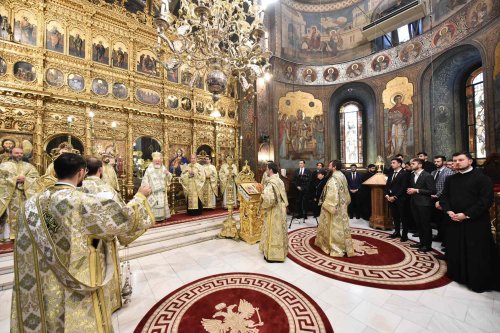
(158, 178)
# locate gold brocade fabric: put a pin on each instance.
(159, 180)
(210, 189)
(109, 176)
(192, 181)
(274, 238)
(50, 170)
(334, 234)
(12, 193)
(227, 175)
(56, 285)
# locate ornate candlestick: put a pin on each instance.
(92, 137)
(71, 119)
(113, 133)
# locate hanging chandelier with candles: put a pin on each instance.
(223, 38)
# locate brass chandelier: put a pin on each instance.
(223, 38)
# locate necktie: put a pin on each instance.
(301, 171)
(436, 176)
(354, 176)
(394, 176)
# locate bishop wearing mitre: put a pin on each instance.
(227, 174)
(192, 181)
(210, 188)
(158, 178)
(57, 288)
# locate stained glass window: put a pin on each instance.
(351, 133)
(475, 114)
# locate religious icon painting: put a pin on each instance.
(100, 50)
(3, 67)
(172, 102)
(289, 72)
(120, 90)
(54, 77)
(478, 13)
(186, 103)
(147, 63)
(199, 107)
(199, 82)
(355, 70)
(100, 87)
(120, 55)
(331, 74)
(209, 108)
(222, 112)
(381, 62)
(186, 77)
(9, 140)
(4, 22)
(76, 82)
(309, 75)
(54, 39)
(76, 43)
(147, 96)
(410, 52)
(172, 75)
(24, 71)
(25, 27)
(445, 35)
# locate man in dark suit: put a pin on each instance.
(318, 191)
(312, 185)
(422, 187)
(354, 181)
(395, 193)
(428, 166)
(301, 181)
(365, 194)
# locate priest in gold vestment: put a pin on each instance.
(158, 178)
(57, 287)
(274, 238)
(192, 180)
(334, 234)
(109, 174)
(210, 188)
(17, 183)
(227, 174)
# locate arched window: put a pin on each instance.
(476, 127)
(351, 133)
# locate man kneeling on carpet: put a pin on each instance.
(274, 239)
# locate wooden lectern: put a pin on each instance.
(251, 219)
(380, 218)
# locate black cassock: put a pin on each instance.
(471, 254)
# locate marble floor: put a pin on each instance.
(350, 308)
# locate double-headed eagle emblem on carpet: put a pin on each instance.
(239, 321)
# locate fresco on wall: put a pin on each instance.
(331, 74)
(496, 87)
(289, 72)
(398, 118)
(3, 67)
(301, 129)
(54, 39)
(355, 70)
(120, 56)
(410, 52)
(445, 35)
(333, 35)
(25, 27)
(100, 50)
(381, 62)
(309, 75)
(76, 43)
(477, 14)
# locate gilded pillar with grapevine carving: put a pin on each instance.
(130, 159)
(38, 137)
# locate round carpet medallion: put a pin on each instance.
(236, 302)
(384, 262)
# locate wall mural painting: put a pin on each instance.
(120, 56)
(54, 77)
(325, 35)
(146, 63)
(442, 9)
(120, 90)
(398, 118)
(54, 39)
(355, 70)
(24, 71)
(3, 67)
(147, 96)
(410, 52)
(172, 75)
(100, 87)
(76, 43)
(301, 129)
(76, 82)
(4, 22)
(309, 75)
(8, 141)
(290, 72)
(331, 74)
(381, 62)
(100, 50)
(25, 27)
(478, 13)
(445, 34)
(178, 155)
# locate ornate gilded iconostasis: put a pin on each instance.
(336, 94)
(86, 69)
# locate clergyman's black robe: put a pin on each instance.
(471, 255)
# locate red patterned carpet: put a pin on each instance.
(184, 217)
(387, 263)
(236, 302)
(6, 247)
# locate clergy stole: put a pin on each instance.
(57, 287)
(12, 193)
(192, 181)
(159, 181)
(209, 189)
(274, 237)
(334, 235)
(227, 176)
(109, 176)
